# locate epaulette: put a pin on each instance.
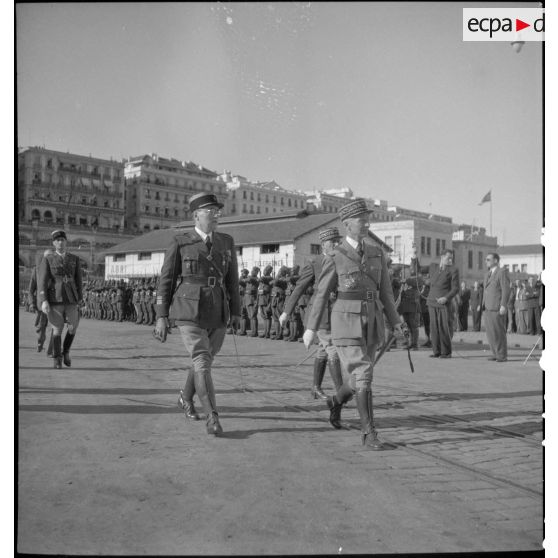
(188, 237)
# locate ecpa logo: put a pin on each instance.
(503, 24)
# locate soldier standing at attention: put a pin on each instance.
(264, 300)
(358, 270)
(241, 291)
(198, 289)
(327, 353)
(251, 300)
(279, 286)
(60, 291)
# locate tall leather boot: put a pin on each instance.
(364, 405)
(335, 372)
(186, 397)
(57, 350)
(206, 393)
(50, 347)
(319, 371)
(267, 328)
(68, 340)
(254, 327)
(243, 324)
(335, 404)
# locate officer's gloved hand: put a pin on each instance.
(283, 319)
(308, 338)
(45, 307)
(161, 329)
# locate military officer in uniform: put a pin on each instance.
(41, 320)
(198, 290)
(327, 352)
(358, 270)
(60, 292)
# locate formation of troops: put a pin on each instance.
(348, 300)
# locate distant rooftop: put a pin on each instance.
(520, 249)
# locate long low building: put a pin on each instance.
(286, 239)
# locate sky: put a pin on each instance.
(383, 98)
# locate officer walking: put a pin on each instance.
(198, 290)
(60, 292)
(327, 352)
(358, 270)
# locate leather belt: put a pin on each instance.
(357, 295)
(210, 281)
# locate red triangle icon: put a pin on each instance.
(519, 25)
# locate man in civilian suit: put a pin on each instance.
(495, 299)
(476, 305)
(444, 285)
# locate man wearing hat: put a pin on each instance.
(251, 300)
(327, 352)
(198, 290)
(60, 292)
(357, 270)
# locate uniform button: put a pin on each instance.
(211, 269)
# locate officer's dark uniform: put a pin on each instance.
(198, 290)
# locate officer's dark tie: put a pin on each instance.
(208, 243)
(360, 250)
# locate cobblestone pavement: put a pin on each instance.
(107, 463)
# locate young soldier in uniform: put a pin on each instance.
(60, 292)
(327, 353)
(264, 300)
(358, 270)
(279, 286)
(241, 291)
(198, 289)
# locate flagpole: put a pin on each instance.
(491, 213)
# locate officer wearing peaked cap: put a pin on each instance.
(60, 292)
(198, 289)
(327, 352)
(357, 269)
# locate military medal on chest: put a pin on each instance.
(350, 281)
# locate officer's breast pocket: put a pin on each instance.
(186, 303)
(190, 265)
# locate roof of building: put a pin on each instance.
(245, 232)
(520, 249)
(172, 162)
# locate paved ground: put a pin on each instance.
(108, 464)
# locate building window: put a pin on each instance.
(397, 245)
(274, 199)
(470, 259)
(234, 194)
(296, 203)
(515, 268)
(259, 197)
(266, 209)
(146, 209)
(266, 198)
(244, 195)
(233, 208)
(258, 209)
(443, 244)
(428, 246)
(315, 249)
(422, 245)
(269, 249)
(144, 256)
(523, 266)
(389, 241)
(243, 208)
(282, 201)
(481, 260)
(251, 208)
(119, 258)
(289, 202)
(251, 196)
(437, 246)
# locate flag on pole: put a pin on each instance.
(487, 197)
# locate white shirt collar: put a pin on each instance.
(352, 242)
(202, 234)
